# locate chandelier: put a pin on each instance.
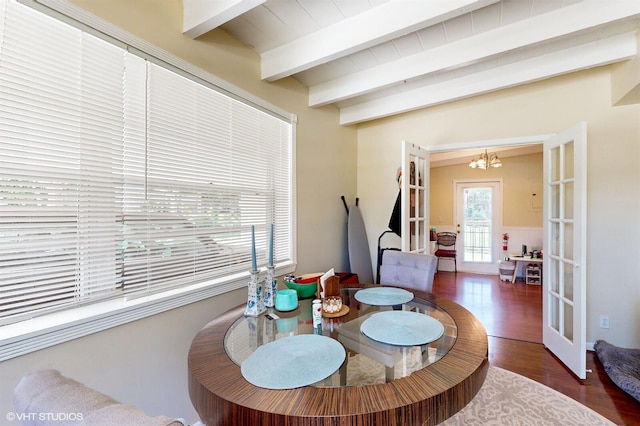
(485, 161)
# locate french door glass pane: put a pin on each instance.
(568, 200)
(554, 275)
(421, 231)
(568, 160)
(568, 281)
(555, 165)
(568, 321)
(567, 251)
(554, 313)
(555, 201)
(554, 242)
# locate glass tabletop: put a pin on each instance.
(367, 361)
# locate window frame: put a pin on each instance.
(51, 329)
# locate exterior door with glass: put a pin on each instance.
(478, 225)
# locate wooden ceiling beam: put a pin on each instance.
(202, 16)
(588, 55)
(380, 24)
(564, 22)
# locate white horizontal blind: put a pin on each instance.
(60, 163)
(214, 168)
(119, 177)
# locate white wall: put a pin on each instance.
(613, 174)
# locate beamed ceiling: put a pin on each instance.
(376, 58)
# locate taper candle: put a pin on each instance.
(254, 265)
(271, 246)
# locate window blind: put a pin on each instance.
(120, 177)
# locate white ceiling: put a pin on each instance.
(377, 58)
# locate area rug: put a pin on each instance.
(622, 365)
(508, 398)
(505, 398)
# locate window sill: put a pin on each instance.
(48, 330)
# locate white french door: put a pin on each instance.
(478, 209)
(415, 198)
(564, 272)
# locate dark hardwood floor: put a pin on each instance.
(512, 316)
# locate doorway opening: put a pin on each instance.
(514, 195)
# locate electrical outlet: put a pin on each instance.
(604, 321)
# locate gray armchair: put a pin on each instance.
(46, 395)
(408, 269)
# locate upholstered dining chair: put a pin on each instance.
(446, 248)
(408, 269)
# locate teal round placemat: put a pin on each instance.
(293, 361)
(383, 296)
(402, 328)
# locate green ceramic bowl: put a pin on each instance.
(307, 287)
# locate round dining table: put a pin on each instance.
(377, 384)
